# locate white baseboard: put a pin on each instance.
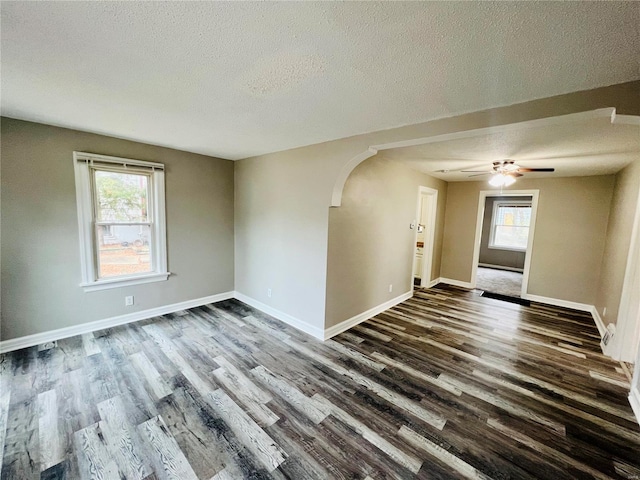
(583, 307)
(455, 283)
(52, 335)
(285, 317)
(361, 317)
(434, 282)
(634, 400)
(501, 267)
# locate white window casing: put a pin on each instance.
(84, 163)
(494, 217)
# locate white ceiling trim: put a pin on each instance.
(626, 119)
(541, 122)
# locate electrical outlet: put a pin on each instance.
(128, 301)
(390, 288)
(269, 292)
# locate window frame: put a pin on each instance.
(494, 215)
(84, 166)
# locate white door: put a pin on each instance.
(425, 234)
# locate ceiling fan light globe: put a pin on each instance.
(497, 180)
(508, 180)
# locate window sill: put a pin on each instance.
(511, 249)
(124, 282)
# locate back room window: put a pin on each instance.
(510, 225)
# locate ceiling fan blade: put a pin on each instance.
(480, 174)
(475, 171)
(516, 174)
(536, 170)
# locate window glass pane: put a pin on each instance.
(121, 197)
(511, 226)
(511, 236)
(512, 215)
(123, 249)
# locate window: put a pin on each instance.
(510, 225)
(121, 220)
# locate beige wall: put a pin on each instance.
(614, 262)
(569, 234)
(40, 252)
(292, 189)
(370, 243)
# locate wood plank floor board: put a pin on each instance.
(445, 385)
(268, 453)
(50, 367)
(140, 407)
(166, 456)
(65, 470)
(235, 456)
(77, 407)
(21, 456)
(123, 441)
(159, 360)
(206, 452)
(6, 376)
(101, 383)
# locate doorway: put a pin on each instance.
(425, 227)
(504, 237)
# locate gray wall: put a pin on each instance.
(497, 256)
(614, 262)
(281, 237)
(40, 250)
(370, 243)
(569, 234)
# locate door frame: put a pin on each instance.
(624, 345)
(534, 194)
(431, 205)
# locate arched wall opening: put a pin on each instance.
(338, 187)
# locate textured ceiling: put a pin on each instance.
(574, 148)
(244, 78)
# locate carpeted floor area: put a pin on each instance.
(499, 281)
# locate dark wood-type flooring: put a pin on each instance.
(445, 385)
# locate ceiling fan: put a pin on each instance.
(505, 172)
